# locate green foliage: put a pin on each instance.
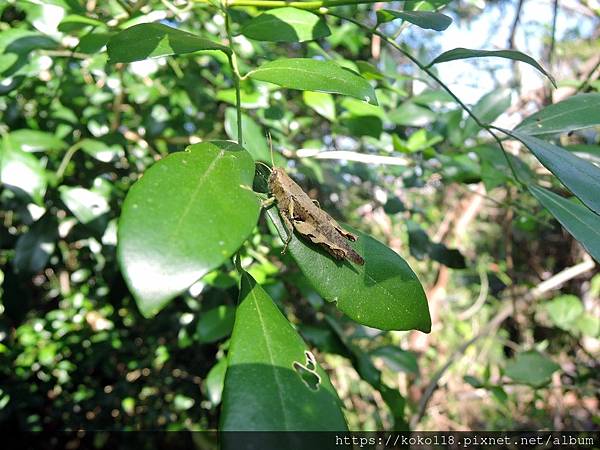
(423, 19)
(578, 175)
(273, 382)
(141, 288)
(575, 113)
(196, 208)
(531, 368)
(464, 53)
(150, 40)
(286, 25)
(578, 220)
(314, 75)
(383, 293)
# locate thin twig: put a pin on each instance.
(588, 78)
(515, 24)
(550, 56)
(236, 78)
(481, 298)
(562, 277)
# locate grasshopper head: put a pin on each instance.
(277, 173)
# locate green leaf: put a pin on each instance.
(495, 170)
(286, 25)
(86, 205)
(410, 115)
(362, 125)
(574, 113)
(583, 224)
(531, 368)
(75, 22)
(394, 206)
(384, 293)
(250, 99)
(565, 311)
(450, 257)
(418, 241)
(424, 19)
(362, 109)
(16, 44)
(588, 325)
(186, 216)
(473, 381)
(215, 381)
(321, 102)
(420, 245)
(589, 152)
(398, 360)
(307, 74)
(100, 150)
(35, 247)
(465, 53)
(35, 141)
(272, 382)
(93, 42)
(150, 40)
(22, 172)
(487, 109)
(255, 140)
(368, 70)
(182, 402)
(215, 324)
(580, 176)
(431, 97)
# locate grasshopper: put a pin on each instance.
(303, 214)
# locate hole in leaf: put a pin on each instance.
(311, 362)
(307, 372)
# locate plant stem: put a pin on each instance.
(236, 78)
(66, 159)
(123, 4)
(433, 76)
(310, 5)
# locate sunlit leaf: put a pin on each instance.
(321, 102)
(574, 113)
(307, 74)
(424, 19)
(35, 140)
(384, 293)
(187, 215)
(286, 25)
(150, 40)
(22, 172)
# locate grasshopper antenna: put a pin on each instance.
(266, 165)
(271, 147)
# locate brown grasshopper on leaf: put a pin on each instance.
(301, 213)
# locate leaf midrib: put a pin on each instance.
(539, 129)
(268, 345)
